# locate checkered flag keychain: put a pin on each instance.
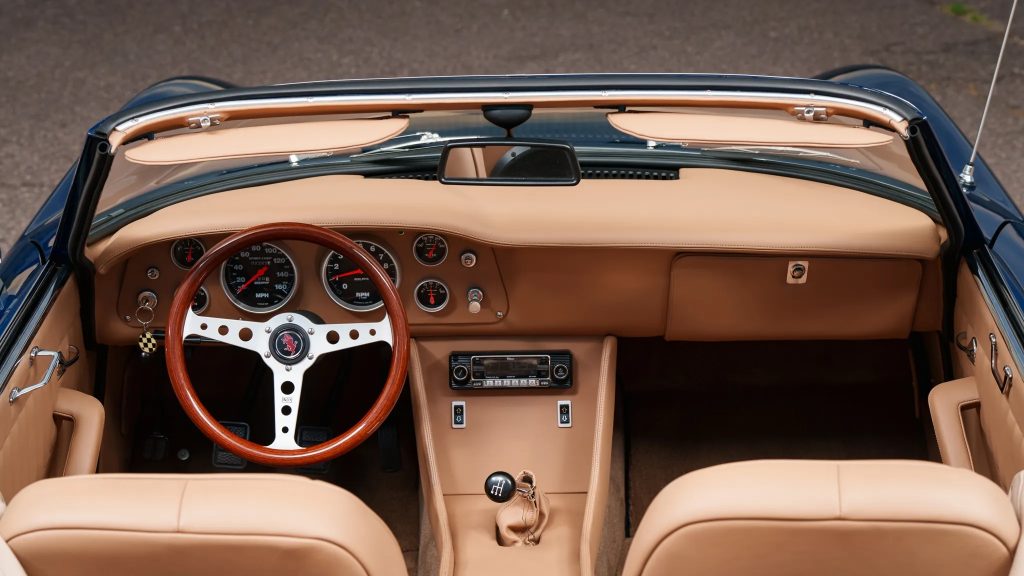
(147, 342)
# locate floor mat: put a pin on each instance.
(694, 405)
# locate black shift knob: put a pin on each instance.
(500, 486)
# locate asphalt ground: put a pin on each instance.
(65, 64)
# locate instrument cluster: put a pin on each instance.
(264, 277)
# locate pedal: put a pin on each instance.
(154, 449)
(224, 459)
(310, 436)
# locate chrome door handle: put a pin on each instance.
(971, 348)
(57, 364)
(1006, 378)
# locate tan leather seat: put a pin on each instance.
(169, 525)
(808, 518)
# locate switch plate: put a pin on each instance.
(564, 414)
(458, 413)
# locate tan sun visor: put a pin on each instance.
(748, 131)
(274, 140)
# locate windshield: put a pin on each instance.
(416, 151)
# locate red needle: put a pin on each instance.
(352, 273)
(430, 254)
(188, 255)
(255, 276)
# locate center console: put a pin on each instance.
(544, 405)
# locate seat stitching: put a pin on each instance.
(839, 489)
(181, 505)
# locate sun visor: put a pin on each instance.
(274, 140)
(744, 130)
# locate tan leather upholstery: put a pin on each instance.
(81, 451)
(946, 403)
(796, 518)
(1001, 414)
(272, 140)
(9, 565)
(743, 130)
(169, 525)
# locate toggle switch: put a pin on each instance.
(565, 413)
(458, 413)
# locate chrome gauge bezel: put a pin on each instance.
(447, 249)
(346, 305)
(175, 243)
(203, 309)
(447, 300)
(241, 305)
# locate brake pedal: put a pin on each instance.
(224, 459)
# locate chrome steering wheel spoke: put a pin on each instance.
(289, 343)
(239, 333)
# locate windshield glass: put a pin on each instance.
(416, 151)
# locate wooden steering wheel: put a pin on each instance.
(289, 344)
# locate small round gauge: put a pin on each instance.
(349, 285)
(430, 249)
(186, 252)
(200, 301)
(431, 295)
(260, 278)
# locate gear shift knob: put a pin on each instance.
(500, 486)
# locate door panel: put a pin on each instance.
(28, 430)
(1001, 413)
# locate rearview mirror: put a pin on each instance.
(509, 162)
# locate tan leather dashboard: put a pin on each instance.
(592, 259)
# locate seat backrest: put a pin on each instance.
(223, 524)
(842, 518)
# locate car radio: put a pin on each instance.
(480, 370)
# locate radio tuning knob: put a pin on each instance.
(475, 296)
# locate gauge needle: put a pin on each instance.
(344, 274)
(255, 276)
(430, 254)
(188, 255)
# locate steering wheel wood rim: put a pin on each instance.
(175, 351)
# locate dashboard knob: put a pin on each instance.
(460, 373)
(475, 296)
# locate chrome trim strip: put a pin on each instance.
(988, 292)
(470, 97)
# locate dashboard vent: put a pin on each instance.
(425, 175)
(597, 173)
(630, 173)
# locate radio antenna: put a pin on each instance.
(967, 174)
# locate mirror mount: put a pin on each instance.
(509, 162)
(508, 117)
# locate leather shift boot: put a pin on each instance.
(522, 519)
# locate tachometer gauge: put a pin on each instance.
(260, 278)
(349, 285)
(431, 295)
(430, 249)
(186, 252)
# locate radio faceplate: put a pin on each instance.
(510, 369)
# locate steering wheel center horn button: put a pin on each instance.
(288, 344)
(500, 487)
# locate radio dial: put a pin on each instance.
(560, 371)
(460, 373)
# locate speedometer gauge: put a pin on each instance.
(349, 285)
(260, 278)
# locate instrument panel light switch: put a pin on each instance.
(458, 413)
(565, 413)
